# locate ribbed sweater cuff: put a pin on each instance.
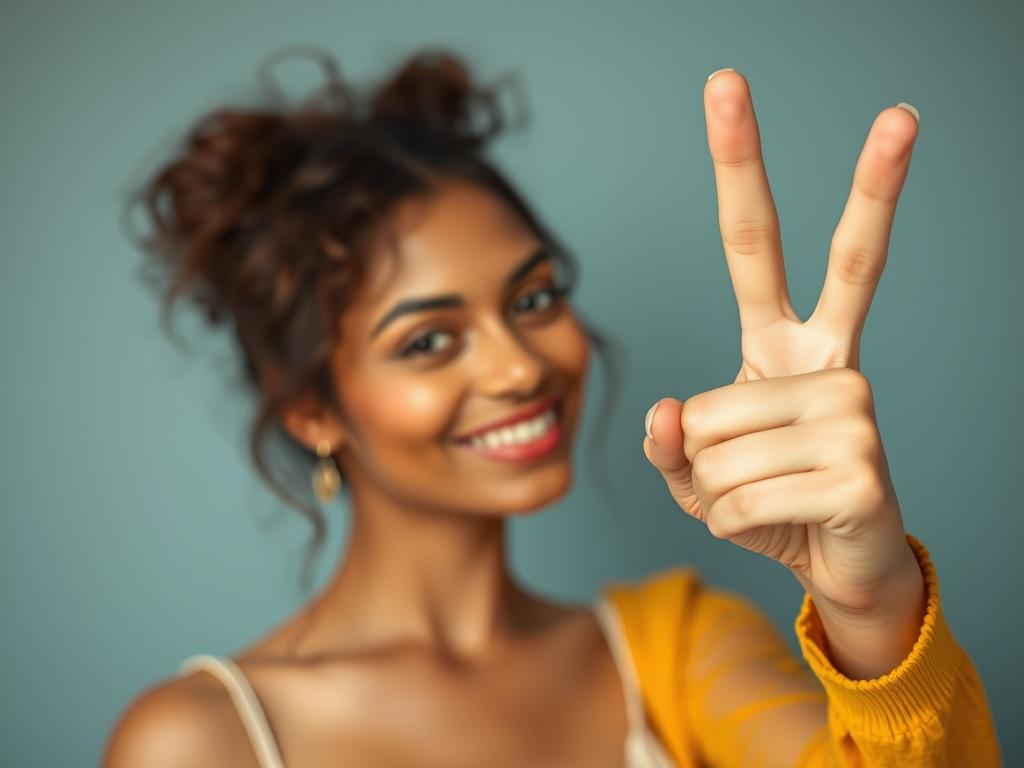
(916, 691)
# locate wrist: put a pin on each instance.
(893, 702)
(866, 644)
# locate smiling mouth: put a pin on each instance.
(523, 440)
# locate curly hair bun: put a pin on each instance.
(434, 91)
(236, 160)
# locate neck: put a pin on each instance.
(422, 577)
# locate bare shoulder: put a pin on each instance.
(182, 721)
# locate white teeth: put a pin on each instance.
(517, 434)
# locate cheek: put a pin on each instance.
(404, 408)
(569, 347)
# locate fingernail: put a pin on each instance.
(911, 109)
(723, 69)
(648, 419)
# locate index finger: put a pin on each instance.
(746, 211)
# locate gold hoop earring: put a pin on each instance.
(326, 479)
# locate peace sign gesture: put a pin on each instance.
(787, 460)
(753, 251)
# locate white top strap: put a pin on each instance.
(615, 636)
(245, 701)
(643, 748)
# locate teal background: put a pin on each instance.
(135, 533)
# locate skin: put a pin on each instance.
(786, 462)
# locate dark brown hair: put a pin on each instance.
(263, 216)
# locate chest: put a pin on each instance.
(410, 711)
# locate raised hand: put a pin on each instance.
(787, 461)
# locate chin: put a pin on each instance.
(535, 494)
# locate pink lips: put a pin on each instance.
(524, 452)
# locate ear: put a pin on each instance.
(309, 421)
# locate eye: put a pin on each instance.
(422, 344)
(550, 296)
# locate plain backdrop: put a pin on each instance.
(134, 531)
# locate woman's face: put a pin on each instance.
(496, 340)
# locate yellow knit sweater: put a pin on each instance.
(722, 687)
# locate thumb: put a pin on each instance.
(663, 446)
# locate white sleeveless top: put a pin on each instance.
(642, 749)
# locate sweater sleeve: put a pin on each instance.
(723, 688)
(930, 710)
(750, 702)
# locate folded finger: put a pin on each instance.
(721, 467)
(804, 498)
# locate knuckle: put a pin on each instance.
(852, 385)
(871, 448)
(747, 237)
(856, 264)
(715, 523)
(865, 487)
(741, 502)
(874, 190)
(860, 435)
(851, 438)
(701, 467)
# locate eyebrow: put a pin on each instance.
(407, 306)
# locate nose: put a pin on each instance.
(508, 366)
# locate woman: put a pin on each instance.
(403, 315)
